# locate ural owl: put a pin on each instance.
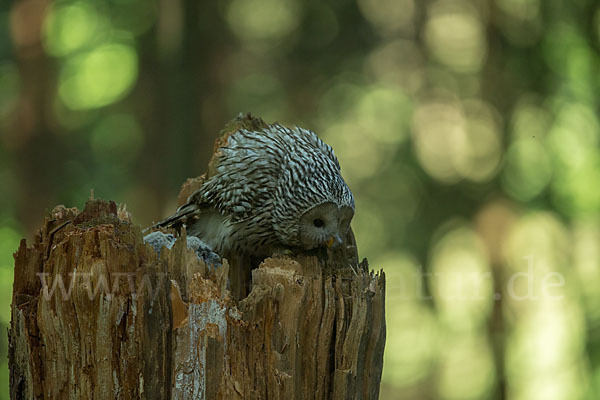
(268, 187)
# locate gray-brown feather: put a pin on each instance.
(263, 183)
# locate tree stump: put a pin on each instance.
(96, 313)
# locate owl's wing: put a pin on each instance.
(245, 173)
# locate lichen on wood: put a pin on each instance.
(97, 313)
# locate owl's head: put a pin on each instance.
(324, 225)
(312, 204)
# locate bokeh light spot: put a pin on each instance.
(467, 368)
(576, 132)
(398, 62)
(541, 344)
(70, 119)
(461, 282)
(70, 26)
(569, 55)
(527, 170)
(483, 146)
(539, 235)
(519, 21)
(522, 9)
(455, 141)
(586, 256)
(439, 138)
(573, 141)
(360, 158)
(410, 353)
(529, 119)
(383, 114)
(263, 22)
(455, 36)
(388, 15)
(98, 77)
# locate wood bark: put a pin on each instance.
(98, 314)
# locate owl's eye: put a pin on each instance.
(318, 222)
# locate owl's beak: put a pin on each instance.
(334, 241)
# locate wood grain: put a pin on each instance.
(128, 324)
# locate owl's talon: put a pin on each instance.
(203, 251)
(159, 239)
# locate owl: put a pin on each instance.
(268, 187)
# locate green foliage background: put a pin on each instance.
(468, 131)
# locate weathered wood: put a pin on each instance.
(127, 323)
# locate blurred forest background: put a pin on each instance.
(468, 131)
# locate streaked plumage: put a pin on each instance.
(268, 187)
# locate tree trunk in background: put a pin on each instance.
(97, 314)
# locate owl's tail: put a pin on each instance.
(184, 214)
